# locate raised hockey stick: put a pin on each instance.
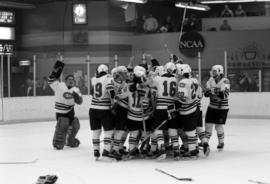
(179, 179)
(258, 182)
(21, 162)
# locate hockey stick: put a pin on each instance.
(145, 139)
(258, 182)
(21, 162)
(179, 179)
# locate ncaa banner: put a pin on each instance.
(191, 43)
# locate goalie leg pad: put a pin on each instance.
(73, 130)
(60, 132)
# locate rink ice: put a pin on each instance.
(246, 156)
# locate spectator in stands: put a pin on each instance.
(39, 91)
(254, 85)
(235, 87)
(227, 12)
(245, 82)
(46, 90)
(239, 12)
(82, 87)
(140, 23)
(225, 26)
(151, 24)
(185, 25)
(191, 23)
(168, 25)
(27, 88)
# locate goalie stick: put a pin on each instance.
(21, 162)
(179, 179)
(258, 182)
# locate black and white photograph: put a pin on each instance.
(134, 91)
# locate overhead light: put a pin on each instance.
(24, 63)
(231, 1)
(7, 4)
(124, 6)
(134, 1)
(193, 6)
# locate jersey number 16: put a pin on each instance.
(169, 90)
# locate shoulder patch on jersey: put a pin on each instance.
(182, 85)
(67, 95)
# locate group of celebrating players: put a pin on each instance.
(150, 107)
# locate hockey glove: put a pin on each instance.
(207, 93)
(77, 98)
(133, 87)
(48, 179)
(57, 70)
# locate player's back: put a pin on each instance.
(166, 88)
(137, 104)
(188, 96)
(101, 86)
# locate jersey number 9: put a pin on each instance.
(98, 90)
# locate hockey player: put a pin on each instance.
(121, 108)
(217, 88)
(187, 95)
(67, 95)
(102, 91)
(138, 104)
(165, 96)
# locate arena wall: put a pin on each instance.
(235, 42)
(28, 109)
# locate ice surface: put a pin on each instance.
(246, 156)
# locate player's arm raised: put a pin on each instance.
(58, 67)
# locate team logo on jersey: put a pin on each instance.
(68, 95)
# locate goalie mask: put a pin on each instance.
(70, 81)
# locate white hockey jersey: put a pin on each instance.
(188, 95)
(64, 101)
(222, 86)
(165, 89)
(139, 107)
(102, 86)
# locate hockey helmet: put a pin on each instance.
(170, 67)
(139, 71)
(183, 68)
(159, 70)
(102, 68)
(217, 70)
(122, 69)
